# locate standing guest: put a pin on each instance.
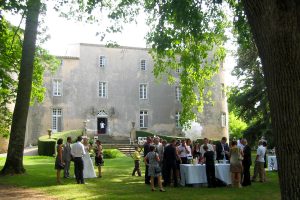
(77, 151)
(67, 157)
(99, 162)
(265, 158)
(196, 150)
(222, 149)
(209, 146)
(208, 159)
(184, 151)
(154, 170)
(189, 148)
(178, 161)
(247, 162)
(170, 158)
(102, 127)
(136, 157)
(157, 144)
(59, 163)
(240, 144)
(236, 167)
(259, 163)
(161, 150)
(146, 151)
(88, 171)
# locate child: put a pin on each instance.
(210, 167)
(136, 157)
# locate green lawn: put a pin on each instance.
(117, 183)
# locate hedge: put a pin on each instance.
(167, 138)
(46, 146)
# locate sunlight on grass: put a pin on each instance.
(117, 183)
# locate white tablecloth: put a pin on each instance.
(195, 174)
(272, 163)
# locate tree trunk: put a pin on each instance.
(276, 29)
(14, 160)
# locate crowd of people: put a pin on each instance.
(79, 154)
(162, 160)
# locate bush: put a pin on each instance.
(167, 138)
(46, 146)
(112, 153)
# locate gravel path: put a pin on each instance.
(12, 193)
(28, 151)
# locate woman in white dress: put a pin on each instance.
(88, 167)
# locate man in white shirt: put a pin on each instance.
(77, 152)
(209, 146)
(259, 162)
(183, 150)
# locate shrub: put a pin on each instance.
(112, 153)
(46, 146)
(146, 134)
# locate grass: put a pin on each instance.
(117, 183)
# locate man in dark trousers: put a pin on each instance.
(170, 157)
(77, 151)
(246, 163)
(146, 151)
(67, 157)
(210, 167)
(222, 149)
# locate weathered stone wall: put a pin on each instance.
(80, 100)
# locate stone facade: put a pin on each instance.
(116, 86)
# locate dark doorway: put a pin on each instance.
(101, 125)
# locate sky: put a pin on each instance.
(63, 32)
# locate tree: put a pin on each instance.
(276, 31)
(9, 57)
(236, 126)
(11, 38)
(14, 160)
(248, 100)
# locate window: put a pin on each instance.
(143, 65)
(103, 89)
(143, 119)
(56, 119)
(177, 117)
(177, 93)
(223, 120)
(223, 94)
(57, 87)
(143, 91)
(102, 61)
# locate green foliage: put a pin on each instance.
(11, 39)
(46, 145)
(187, 36)
(236, 126)
(112, 153)
(149, 134)
(249, 100)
